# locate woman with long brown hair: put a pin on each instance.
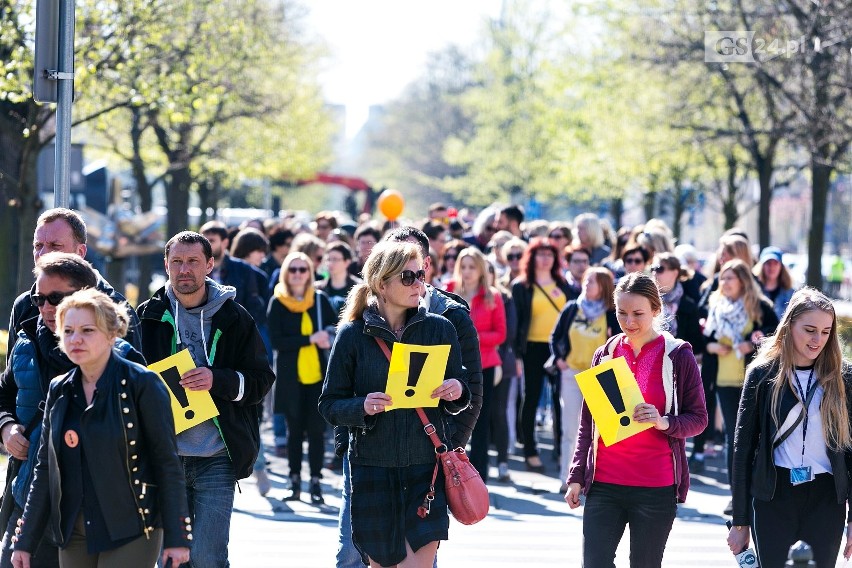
(793, 441)
(539, 293)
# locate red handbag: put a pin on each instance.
(467, 495)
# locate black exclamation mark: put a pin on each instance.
(609, 384)
(172, 378)
(415, 367)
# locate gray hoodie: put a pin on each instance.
(193, 332)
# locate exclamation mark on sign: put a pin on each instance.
(609, 384)
(172, 378)
(415, 367)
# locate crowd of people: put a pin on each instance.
(288, 321)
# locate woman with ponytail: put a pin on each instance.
(392, 460)
(298, 317)
(792, 446)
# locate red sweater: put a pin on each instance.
(490, 324)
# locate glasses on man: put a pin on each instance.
(54, 298)
(658, 268)
(514, 256)
(297, 269)
(634, 260)
(409, 277)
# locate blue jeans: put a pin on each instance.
(347, 555)
(279, 429)
(210, 492)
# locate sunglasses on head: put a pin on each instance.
(297, 269)
(409, 277)
(514, 256)
(634, 260)
(54, 298)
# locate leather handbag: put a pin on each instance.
(467, 495)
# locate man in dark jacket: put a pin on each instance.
(62, 230)
(193, 312)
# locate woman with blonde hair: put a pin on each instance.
(739, 318)
(793, 441)
(470, 281)
(108, 431)
(391, 459)
(298, 318)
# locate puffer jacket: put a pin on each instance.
(131, 455)
(358, 366)
(23, 389)
(754, 474)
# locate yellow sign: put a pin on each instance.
(190, 408)
(611, 393)
(415, 371)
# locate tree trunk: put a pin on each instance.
(821, 174)
(29, 206)
(616, 209)
(649, 204)
(146, 199)
(178, 200)
(764, 177)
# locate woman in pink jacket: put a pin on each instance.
(470, 281)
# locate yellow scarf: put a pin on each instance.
(308, 363)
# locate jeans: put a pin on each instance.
(46, 554)
(499, 418)
(210, 492)
(571, 400)
(482, 430)
(650, 512)
(347, 555)
(514, 400)
(279, 429)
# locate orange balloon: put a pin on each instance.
(391, 204)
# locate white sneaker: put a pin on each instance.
(262, 480)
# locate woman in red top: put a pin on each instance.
(470, 281)
(639, 480)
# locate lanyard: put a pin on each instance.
(805, 400)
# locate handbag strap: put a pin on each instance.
(788, 431)
(549, 299)
(430, 430)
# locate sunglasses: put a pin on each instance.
(54, 298)
(634, 260)
(557, 236)
(450, 257)
(409, 277)
(658, 268)
(513, 256)
(297, 269)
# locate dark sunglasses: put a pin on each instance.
(634, 260)
(54, 298)
(557, 236)
(658, 268)
(297, 269)
(450, 257)
(514, 256)
(409, 277)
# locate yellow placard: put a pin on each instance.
(415, 371)
(611, 393)
(190, 408)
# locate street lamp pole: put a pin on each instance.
(65, 78)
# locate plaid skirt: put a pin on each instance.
(384, 510)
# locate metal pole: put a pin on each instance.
(62, 173)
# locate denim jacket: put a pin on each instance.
(357, 367)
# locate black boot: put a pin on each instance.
(295, 488)
(316, 492)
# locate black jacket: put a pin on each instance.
(246, 279)
(358, 367)
(688, 324)
(131, 454)
(710, 362)
(522, 294)
(236, 347)
(560, 340)
(754, 467)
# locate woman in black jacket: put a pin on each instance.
(108, 486)
(298, 317)
(793, 441)
(392, 460)
(539, 293)
(681, 310)
(739, 318)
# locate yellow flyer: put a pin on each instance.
(190, 408)
(611, 393)
(415, 371)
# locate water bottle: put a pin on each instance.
(747, 558)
